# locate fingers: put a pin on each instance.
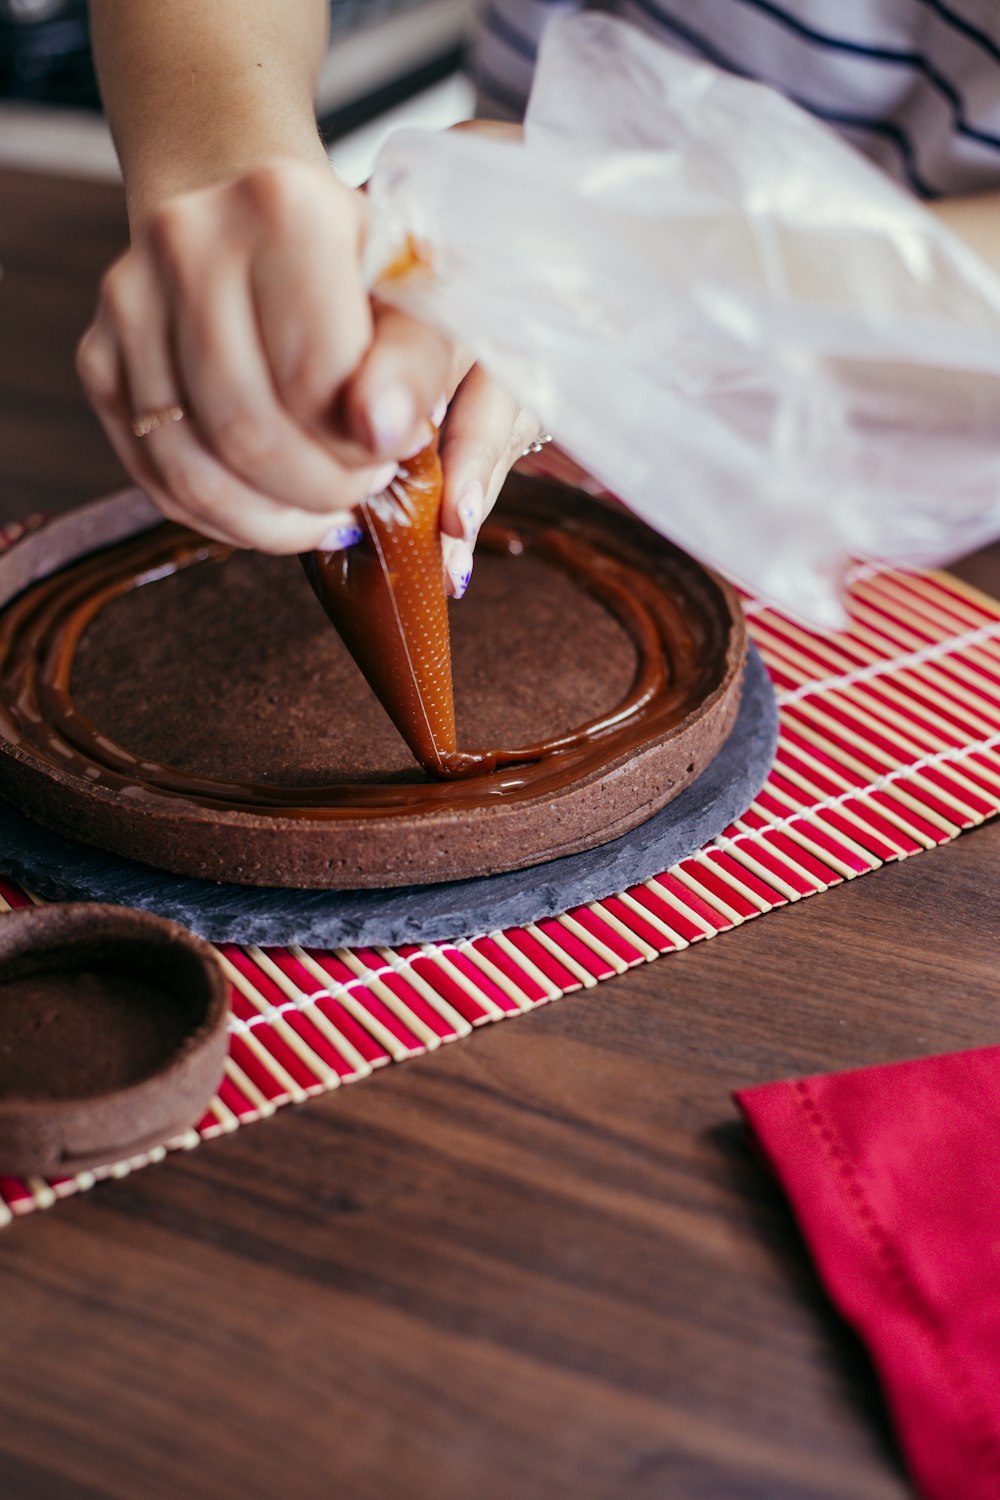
(183, 478)
(485, 434)
(500, 130)
(182, 321)
(205, 268)
(243, 306)
(248, 519)
(314, 316)
(239, 414)
(456, 555)
(103, 378)
(396, 393)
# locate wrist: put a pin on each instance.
(152, 179)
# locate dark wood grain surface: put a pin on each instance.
(542, 1263)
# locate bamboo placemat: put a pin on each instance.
(889, 745)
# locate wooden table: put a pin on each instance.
(542, 1263)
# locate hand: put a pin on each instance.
(483, 436)
(242, 304)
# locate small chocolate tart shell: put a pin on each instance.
(112, 1035)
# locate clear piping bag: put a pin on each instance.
(769, 351)
(385, 597)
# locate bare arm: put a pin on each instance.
(197, 93)
(241, 304)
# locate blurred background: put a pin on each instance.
(391, 62)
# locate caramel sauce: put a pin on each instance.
(682, 645)
(386, 598)
(411, 257)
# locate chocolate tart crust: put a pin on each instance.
(229, 671)
(114, 1035)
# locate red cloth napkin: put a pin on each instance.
(894, 1176)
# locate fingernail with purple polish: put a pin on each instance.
(340, 537)
(470, 510)
(382, 478)
(392, 413)
(458, 567)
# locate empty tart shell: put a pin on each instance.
(112, 1035)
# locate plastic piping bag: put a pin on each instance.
(769, 351)
(386, 598)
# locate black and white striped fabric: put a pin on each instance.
(914, 84)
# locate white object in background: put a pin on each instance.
(372, 54)
(766, 348)
(443, 104)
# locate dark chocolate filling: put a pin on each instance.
(673, 621)
(81, 1034)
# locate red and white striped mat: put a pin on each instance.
(889, 745)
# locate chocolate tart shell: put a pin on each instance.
(113, 1035)
(230, 673)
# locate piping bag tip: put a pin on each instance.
(385, 597)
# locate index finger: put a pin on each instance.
(313, 311)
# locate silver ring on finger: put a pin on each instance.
(537, 444)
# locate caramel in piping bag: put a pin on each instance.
(385, 596)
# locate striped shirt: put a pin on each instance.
(914, 84)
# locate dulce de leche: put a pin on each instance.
(385, 596)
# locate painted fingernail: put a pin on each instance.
(457, 567)
(392, 413)
(345, 533)
(438, 413)
(470, 510)
(382, 478)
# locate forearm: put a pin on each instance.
(196, 93)
(976, 221)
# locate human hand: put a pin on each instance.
(241, 305)
(483, 436)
